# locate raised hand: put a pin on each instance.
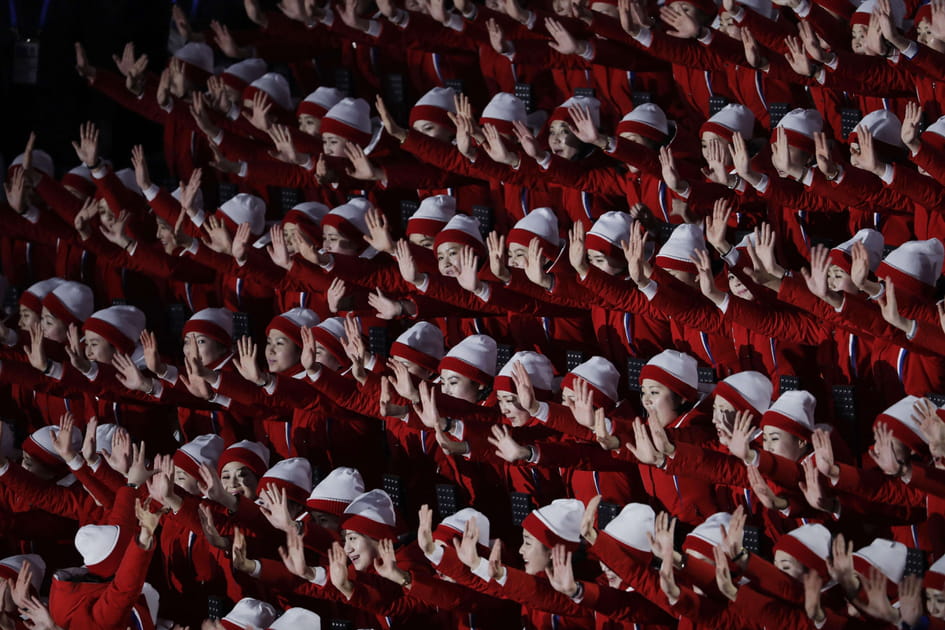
(643, 449)
(716, 226)
(884, 453)
(275, 507)
(814, 491)
(733, 535)
(468, 276)
(680, 23)
(425, 530)
(739, 444)
(390, 125)
(406, 264)
(82, 65)
(86, 149)
(16, 192)
(561, 40)
(138, 472)
(386, 562)
(210, 531)
(607, 440)
(763, 492)
(931, 425)
(496, 148)
(589, 519)
(35, 351)
(582, 125)
(526, 139)
(840, 566)
(284, 146)
(293, 556)
(467, 549)
(497, 37)
(241, 561)
(823, 454)
(825, 162)
(524, 388)
(505, 445)
(63, 440)
(813, 583)
(219, 239)
(336, 292)
(706, 279)
(561, 573)
(816, 278)
(868, 160)
(90, 441)
(909, 132)
(910, 600)
(669, 172)
(495, 244)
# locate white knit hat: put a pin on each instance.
(873, 241)
(464, 230)
(538, 367)
(350, 118)
(455, 524)
(40, 446)
(10, 568)
(935, 576)
(297, 619)
(540, 223)
(707, 535)
(292, 322)
(42, 162)
(275, 86)
(746, 391)
(899, 419)
(127, 178)
(202, 450)
(914, 266)
(104, 434)
(799, 126)
(676, 253)
(676, 370)
(240, 74)
(306, 216)
(198, 55)
(608, 231)
(432, 215)
(647, 120)
(371, 514)
(602, 377)
(474, 357)
(589, 102)
(558, 523)
(294, 475)
(764, 8)
(865, 10)
(216, 323)
(422, 344)
(884, 126)
(245, 208)
(99, 546)
(314, 210)
(792, 412)
(32, 298)
(319, 102)
(502, 111)
(336, 491)
(808, 544)
(434, 106)
(120, 325)
(71, 302)
(632, 525)
(731, 119)
(329, 335)
(253, 455)
(350, 219)
(198, 198)
(886, 555)
(249, 614)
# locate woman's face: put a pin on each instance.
(335, 242)
(924, 35)
(458, 386)
(536, 556)
(738, 288)
(166, 236)
(208, 350)
(839, 280)
(728, 26)
(788, 564)
(659, 401)
(613, 580)
(447, 259)
(239, 480)
(185, 481)
(326, 358)
(105, 215)
(858, 39)
(434, 130)
(27, 318)
(608, 264)
(782, 443)
(706, 142)
(281, 352)
(723, 417)
(360, 550)
(309, 124)
(518, 256)
(423, 240)
(561, 141)
(32, 465)
(325, 520)
(935, 602)
(509, 407)
(53, 328)
(97, 349)
(332, 145)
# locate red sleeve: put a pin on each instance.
(626, 606)
(275, 173)
(113, 86)
(769, 33)
(921, 189)
(780, 470)
(694, 461)
(536, 593)
(873, 76)
(693, 311)
(932, 160)
(99, 490)
(61, 201)
(43, 495)
(615, 292)
(928, 61)
(874, 485)
(114, 606)
(835, 32)
(601, 180)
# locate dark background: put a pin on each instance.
(61, 101)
